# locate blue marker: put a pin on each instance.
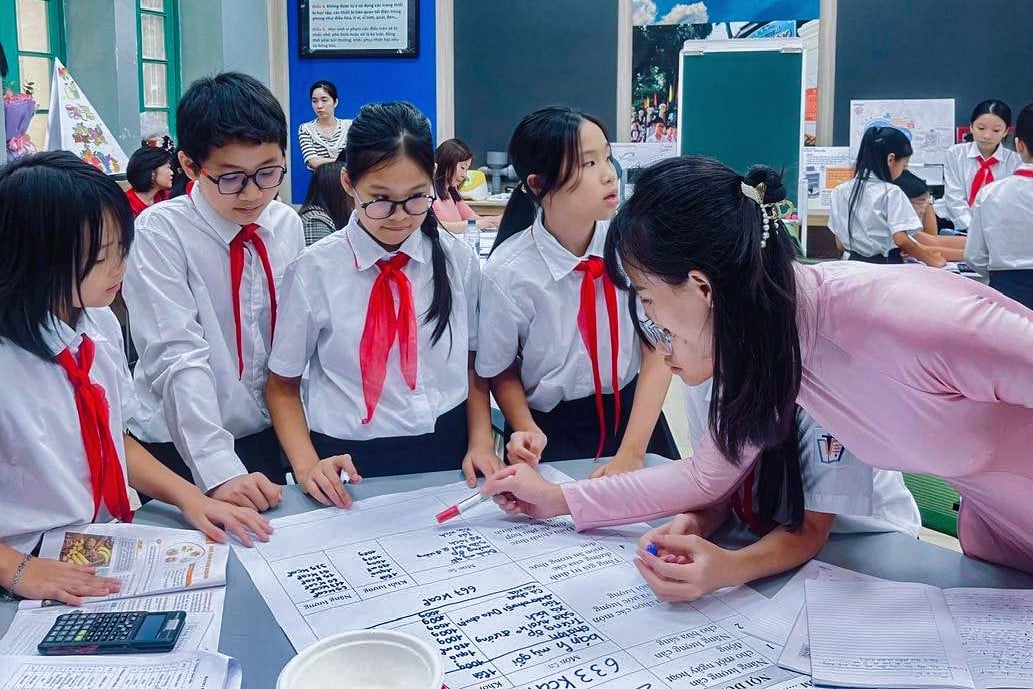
(652, 549)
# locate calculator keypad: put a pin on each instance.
(95, 627)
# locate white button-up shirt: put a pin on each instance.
(180, 298)
(1001, 235)
(530, 298)
(45, 480)
(835, 481)
(321, 318)
(882, 210)
(960, 169)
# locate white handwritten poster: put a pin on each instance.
(509, 603)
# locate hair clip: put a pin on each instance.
(755, 194)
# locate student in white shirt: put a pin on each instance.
(870, 216)
(383, 315)
(1000, 240)
(972, 165)
(558, 343)
(837, 493)
(66, 390)
(201, 290)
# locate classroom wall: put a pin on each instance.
(359, 80)
(106, 69)
(928, 49)
(222, 36)
(514, 57)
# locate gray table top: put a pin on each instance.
(250, 632)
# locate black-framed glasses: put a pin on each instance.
(660, 338)
(234, 182)
(382, 209)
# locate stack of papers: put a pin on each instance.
(889, 634)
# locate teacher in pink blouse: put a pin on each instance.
(914, 369)
(451, 163)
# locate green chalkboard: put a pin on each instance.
(742, 102)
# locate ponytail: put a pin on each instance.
(441, 303)
(518, 216)
(876, 146)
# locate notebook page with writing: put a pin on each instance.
(883, 634)
(996, 630)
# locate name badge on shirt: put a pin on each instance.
(830, 450)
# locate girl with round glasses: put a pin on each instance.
(383, 314)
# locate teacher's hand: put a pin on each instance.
(519, 489)
(689, 567)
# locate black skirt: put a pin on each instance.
(572, 428)
(893, 258)
(441, 450)
(1016, 284)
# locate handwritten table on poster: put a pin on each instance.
(508, 603)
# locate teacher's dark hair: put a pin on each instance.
(690, 214)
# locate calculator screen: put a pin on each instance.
(150, 627)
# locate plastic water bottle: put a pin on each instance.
(473, 236)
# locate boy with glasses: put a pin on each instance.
(201, 290)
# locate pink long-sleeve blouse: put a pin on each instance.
(914, 369)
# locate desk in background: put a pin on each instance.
(489, 207)
(250, 632)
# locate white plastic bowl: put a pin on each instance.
(365, 659)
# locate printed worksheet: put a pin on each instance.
(509, 602)
(191, 670)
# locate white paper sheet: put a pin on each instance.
(201, 631)
(774, 620)
(192, 670)
(996, 630)
(883, 634)
(148, 560)
(508, 602)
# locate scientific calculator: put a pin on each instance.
(95, 633)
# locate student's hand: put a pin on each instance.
(48, 579)
(520, 489)
(251, 490)
(488, 223)
(207, 514)
(692, 568)
(323, 480)
(620, 464)
(526, 447)
(480, 460)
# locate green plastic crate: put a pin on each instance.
(937, 502)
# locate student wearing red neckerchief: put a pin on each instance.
(383, 315)
(1000, 241)
(201, 289)
(972, 165)
(66, 393)
(557, 340)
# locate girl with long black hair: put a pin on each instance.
(383, 314)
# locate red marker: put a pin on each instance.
(460, 507)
